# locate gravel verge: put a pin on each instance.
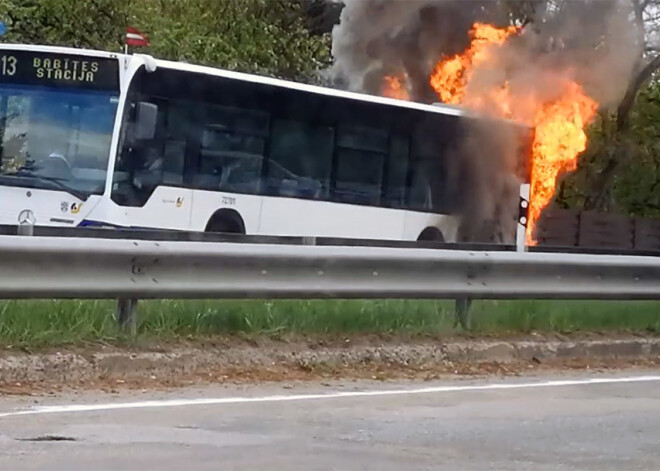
(272, 360)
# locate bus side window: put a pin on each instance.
(143, 165)
(360, 154)
(423, 183)
(428, 160)
(420, 197)
(397, 170)
(173, 162)
(232, 149)
(300, 160)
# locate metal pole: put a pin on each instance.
(523, 218)
(127, 315)
(463, 313)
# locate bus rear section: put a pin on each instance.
(57, 114)
(492, 170)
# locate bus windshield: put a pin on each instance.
(57, 113)
(55, 138)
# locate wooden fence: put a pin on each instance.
(572, 228)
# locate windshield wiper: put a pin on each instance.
(81, 195)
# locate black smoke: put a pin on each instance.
(588, 41)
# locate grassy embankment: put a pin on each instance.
(35, 324)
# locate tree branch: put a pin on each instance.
(623, 111)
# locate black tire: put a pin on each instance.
(221, 226)
(226, 222)
(431, 234)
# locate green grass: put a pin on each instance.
(34, 324)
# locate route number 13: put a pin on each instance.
(8, 65)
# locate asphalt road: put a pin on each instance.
(459, 425)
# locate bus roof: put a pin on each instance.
(438, 108)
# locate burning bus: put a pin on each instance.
(92, 138)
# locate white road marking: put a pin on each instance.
(63, 409)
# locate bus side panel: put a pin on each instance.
(208, 202)
(296, 217)
(166, 208)
(416, 222)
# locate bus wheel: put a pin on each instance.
(227, 221)
(431, 234)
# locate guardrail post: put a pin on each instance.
(127, 315)
(523, 218)
(463, 313)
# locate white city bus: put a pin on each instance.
(93, 138)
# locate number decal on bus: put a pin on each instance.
(228, 201)
(8, 65)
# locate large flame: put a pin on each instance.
(559, 124)
(450, 76)
(559, 129)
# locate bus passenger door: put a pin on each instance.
(148, 186)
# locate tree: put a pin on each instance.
(617, 142)
(83, 23)
(636, 188)
(259, 36)
(635, 185)
(619, 170)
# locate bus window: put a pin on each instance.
(232, 149)
(420, 196)
(428, 172)
(237, 120)
(360, 155)
(143, 165)
(300, 160)
(359, 176)
(363, 138)
(174, 162)
(397, 170)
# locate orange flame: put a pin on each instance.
(559, 125)
(393, 87)
(450, 76)
(560, 137)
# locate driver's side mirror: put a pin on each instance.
(146, 116)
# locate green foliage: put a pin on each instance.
(635, 187)
(80, 23)
(266, 37)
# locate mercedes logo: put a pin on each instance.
(26, 217)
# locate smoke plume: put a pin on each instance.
(379, 37)
(589, 41)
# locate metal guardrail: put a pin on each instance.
(74, 267)
(191, 236)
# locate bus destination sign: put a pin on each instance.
(58, 70)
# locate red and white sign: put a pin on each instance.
(136, 38)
